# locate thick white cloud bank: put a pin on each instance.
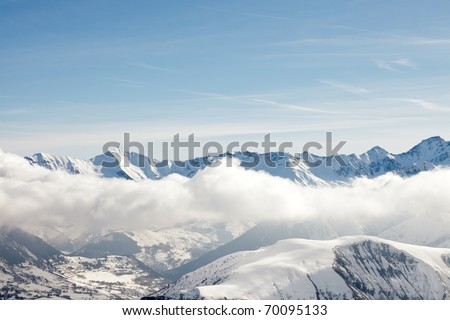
(35, 196)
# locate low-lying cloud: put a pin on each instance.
(35, 196)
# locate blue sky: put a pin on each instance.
(76, 74)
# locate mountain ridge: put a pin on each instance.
(427, 155)
(356, 267)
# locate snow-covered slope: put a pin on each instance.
(159, 249)
(261, 235)
(118, 164)
(427, 230)
(32, 269)
(356, 267)
(165, 249)
(62, 163)
(428, 154)
(113, 265)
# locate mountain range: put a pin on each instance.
(403, 258)
(426, 155)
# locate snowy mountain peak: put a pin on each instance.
(430, 144)
(429, 153)
(377, 151)
(62, 163)
(374, 154)
(116, 163)
(435, 139)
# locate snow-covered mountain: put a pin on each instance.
(261, 235)
(32, 269)
(159, 249)
(116, 265)
(428, 154)
(165, 249)
(17, 247)
(116, 164)
(422, 230)
(210, 259)
(356, 267)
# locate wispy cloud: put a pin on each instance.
(344, 27)
(428, 42)
(344, 40)
(428, 105)
(292, 106)
(249, 14)
(123, 80)
(310, 41)
(393, 65)
(385, 65)
(213, 95)
(149, 66)
(406, 62)
(345, 87)
(13, 111)
(127, 82)
(260, 99)
(365, 38)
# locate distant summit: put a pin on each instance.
(427, 155)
